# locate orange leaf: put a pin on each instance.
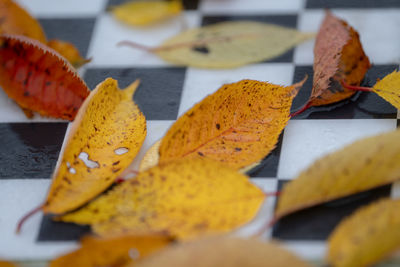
(338, 56)
(103, 140)
(238, 125)
(112, 251)
(68, 51)
(15, 20)
(39, 79)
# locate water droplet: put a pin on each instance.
(89, 163)
(134, 254)
(121, 150)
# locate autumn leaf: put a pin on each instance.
(112, 251)
(353, 169)
(39, 79)
(103, 140)
(369, 235)
(338, 56)
(227, 44)
(223, 251)
(144, 13)
(69, 52)
(388, 88)
(7, 264)
(15, 20)
(238, 125)
(186, 198)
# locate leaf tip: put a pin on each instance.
(131, 89)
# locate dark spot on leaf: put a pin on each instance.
(218, 126)
(201, 154)
(47, 71)
(201, 49)
(115, 163)
(238, 149)
(48, 83)
(67, 180)
(116, 170)
(26, 93)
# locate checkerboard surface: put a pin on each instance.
(29, 148)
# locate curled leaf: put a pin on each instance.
(353, 169)
(103, 140)
(143, 13)
(338, 56)
(15, 20)
(112, 251)
(39, 79)
(367, 236)
(224, 251)
(69, 52)
(186, 198)
(238, 125)
(228, 44)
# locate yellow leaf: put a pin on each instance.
(15, 20)
(112, 251)
(353, 169)
(103, 140)
(238, 125)
(223, 252)
(228, 44)
(150, 159)
(367, 236)
(186, 198)
(142, 13)
(389, 88)
(69, 51)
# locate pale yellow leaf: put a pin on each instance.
(366, 237)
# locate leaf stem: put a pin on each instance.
(356, 88)
(27, 216)
(301, 110)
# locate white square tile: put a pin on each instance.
(304, 141)
(155, 131)
(265, 214)
(250, 6)
(199, 83)
(109, 32)
(377, 28)
(60, 8)
(16, 199)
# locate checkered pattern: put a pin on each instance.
(29, 148)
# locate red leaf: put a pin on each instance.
(39, 79)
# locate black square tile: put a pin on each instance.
(268, 168)
(29, 150)
(362, 105)
(187, 4)
(352, 3)
(159, 93)
(318, 222)
(78, 31)
(281, 20)
(59, 231)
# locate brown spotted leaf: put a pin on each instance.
(338, 56)
(238, 125)
(39, 79)
(187, 198)
(103, 140)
